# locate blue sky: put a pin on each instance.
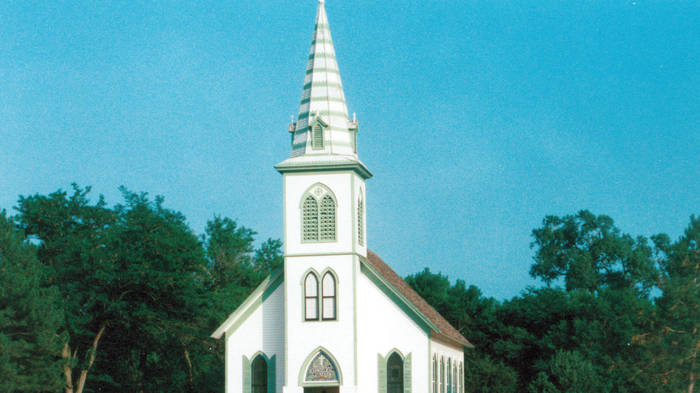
(478, 118)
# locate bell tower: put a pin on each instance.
(324, 227)
(324, 168)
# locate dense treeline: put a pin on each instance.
(118, 299)
(123, 298)
(618, 313)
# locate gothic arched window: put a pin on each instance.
(311, 297)
(360, 221)
(328, 297)
(435, 375)
(394, 373)
(454, 378)
(449, 376)
(442, 375)
(259, 380)
(318, 208)
(461, 378)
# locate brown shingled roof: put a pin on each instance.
(447, 331)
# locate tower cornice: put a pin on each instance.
(323, 164)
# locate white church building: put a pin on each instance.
(335, 318)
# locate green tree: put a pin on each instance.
(486, 375)
(155, 296)
(235, 266)
(568, 372)
(604, 305)
(589, 252)
(675, 340)
(128, 277)
(31, 318)
(71, 233)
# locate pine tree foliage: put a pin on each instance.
(675, 339)
(31, 319)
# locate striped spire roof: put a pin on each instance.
(323, 105)
(322, 99)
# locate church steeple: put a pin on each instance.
(323, 132)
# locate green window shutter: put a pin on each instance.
(407, 374)
(247, 383)
(381, 373)
(271, 375)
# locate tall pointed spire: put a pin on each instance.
(323, 134)
(323, 100)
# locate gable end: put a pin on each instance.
(254, 300)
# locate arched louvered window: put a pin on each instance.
(311, 297)
(259, 380)
(318, 215)
(328, 297)
(310, 219)
(327, 219)
(435, 375)
(317, 137)
(394, 374)
(360, 221)
(442, 375)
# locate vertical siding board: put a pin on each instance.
(246, 375)
(407, 374)
(381, 373)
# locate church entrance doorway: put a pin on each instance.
(322, 389)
